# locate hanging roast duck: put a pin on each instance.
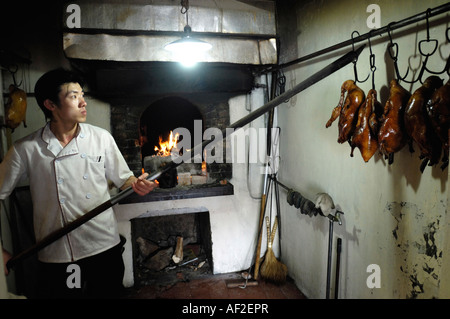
(392, 136)
(365, 134)
(438, 108)
(418, 125)
(16, 108)
(347, 110)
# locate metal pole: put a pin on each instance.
(338, 267)
(79, 221)
(330, 247)
(390, 27)
(266, 185)
(331, 68)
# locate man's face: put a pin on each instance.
(72, 106)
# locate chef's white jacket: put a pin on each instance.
(65, 183)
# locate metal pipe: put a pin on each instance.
(323, 73)
(180, 34)
(338, 266)
(81, 220)
(282, 185)
(330, 248)
(390, 27)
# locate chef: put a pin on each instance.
(69, 165)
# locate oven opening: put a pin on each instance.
(158, 140)
(170, 248)
(164, 116)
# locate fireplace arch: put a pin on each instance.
(163, 116)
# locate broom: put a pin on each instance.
(272, 270)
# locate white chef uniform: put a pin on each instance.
(65, 183)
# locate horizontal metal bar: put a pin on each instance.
(390, 27)
(122, 32)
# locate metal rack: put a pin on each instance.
(390, 27)
(307, 207)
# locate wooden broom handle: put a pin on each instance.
(271, 235)
(274, 230)
(258, 248)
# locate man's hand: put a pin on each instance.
(142, 186)
(6, 256)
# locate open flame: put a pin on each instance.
(165, 147)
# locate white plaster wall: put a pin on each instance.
(377, 199)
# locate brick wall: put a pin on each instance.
(126, 116)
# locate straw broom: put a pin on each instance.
(271, 269)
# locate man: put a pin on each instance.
(69, 165)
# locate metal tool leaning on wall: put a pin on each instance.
(323, 206)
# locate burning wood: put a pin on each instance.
(165, 147)
(191, 175)
(161, 159)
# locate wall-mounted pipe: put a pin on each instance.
(390, 27)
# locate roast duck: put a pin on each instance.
(418, 125)
(438, 108)
(422, 118)
(347, 110)
(366, 130)
(391, 135)
(16, 108)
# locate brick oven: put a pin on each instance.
(140, 115)
(150, 95)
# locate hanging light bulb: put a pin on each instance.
(188, 50)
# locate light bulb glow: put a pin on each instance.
(188, 51)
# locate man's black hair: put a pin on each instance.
(49, 85)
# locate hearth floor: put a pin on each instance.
(215, 287)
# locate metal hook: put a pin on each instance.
(373, 68)
(355, 71)
(336, 217)
(13, 74)
(430, 53)
(447, 64)
(446, 68)
(422, 54)
(394, 56)
(184, 6)
(184, 9)
(428, 39)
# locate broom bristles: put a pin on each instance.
(273, 270)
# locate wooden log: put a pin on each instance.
(178, 256)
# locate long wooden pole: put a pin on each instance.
(326, 71)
